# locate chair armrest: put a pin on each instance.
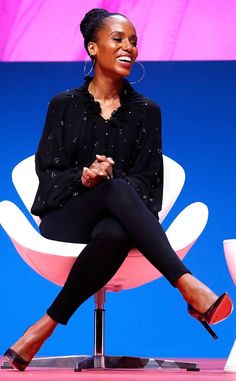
(187, 227)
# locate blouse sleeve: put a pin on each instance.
(58, 178)
(146, 173)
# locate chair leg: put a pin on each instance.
(101, 361)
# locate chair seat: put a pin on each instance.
(54, 259)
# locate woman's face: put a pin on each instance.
(115, 49)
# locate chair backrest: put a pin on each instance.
(26, 182)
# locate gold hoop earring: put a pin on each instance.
(92, 67)
(143, 73)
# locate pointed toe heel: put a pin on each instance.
(218, 312)
(15, 360)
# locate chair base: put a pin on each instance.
(125, 362)
(52, 362)
(83, 362)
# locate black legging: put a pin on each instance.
(112, 218)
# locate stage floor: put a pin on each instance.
(210, 369)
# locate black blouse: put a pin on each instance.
(75, 132)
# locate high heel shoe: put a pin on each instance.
(15, 360)
(218, 311)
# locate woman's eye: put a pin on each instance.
(134, 43)
(117, 39)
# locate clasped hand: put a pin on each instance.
(99, 170)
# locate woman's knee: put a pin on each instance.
(110, 230)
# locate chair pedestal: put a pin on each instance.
(100, 361)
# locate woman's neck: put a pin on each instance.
(105, 88)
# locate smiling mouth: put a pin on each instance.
(124, 59)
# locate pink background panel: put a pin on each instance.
(48, 30)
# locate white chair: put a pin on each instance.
(53, 259)
(230, 256)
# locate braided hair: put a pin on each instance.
(92, 23)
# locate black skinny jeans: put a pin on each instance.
(112, 218)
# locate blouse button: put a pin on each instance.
(85, 117)
(106, 133)
(96, 144)
(55, 186)
(57, 160)
(74, 140)
(75, 194)
(62, 123)
(144, 197)
(49, 137)
(53, 174)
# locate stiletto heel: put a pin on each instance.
(208, 328)
(218, 312)
(15, 360)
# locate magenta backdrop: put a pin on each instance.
(48, 30)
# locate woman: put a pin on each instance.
(99, 164)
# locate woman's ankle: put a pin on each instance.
(34, 337)
(196, 293)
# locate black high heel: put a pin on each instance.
(15, 360)
(218, 312)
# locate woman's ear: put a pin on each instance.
(92, 48)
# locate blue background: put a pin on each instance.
(198, 110)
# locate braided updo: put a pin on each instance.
(92, 23)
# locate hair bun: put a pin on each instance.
(90, 17)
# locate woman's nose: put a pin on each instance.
(127, 46)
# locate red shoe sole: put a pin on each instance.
(223, 310)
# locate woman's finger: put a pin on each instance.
(110, 160)
(101, 157)
(87, 173)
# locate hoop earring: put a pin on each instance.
(143, 73)
(85, 67)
